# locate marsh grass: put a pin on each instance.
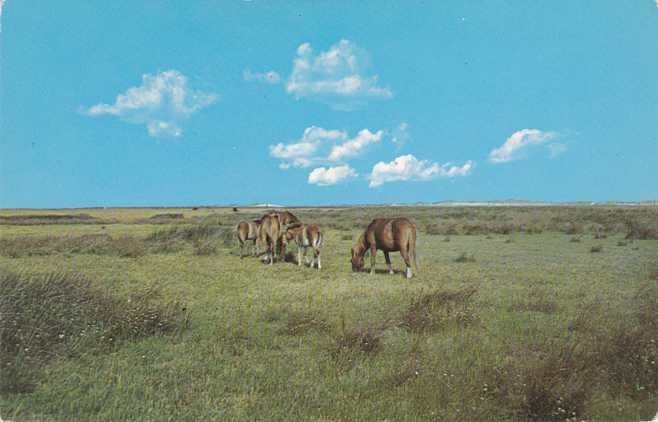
(533, 330)
(59, 315)
(94, 244)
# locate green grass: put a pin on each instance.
(539, 327)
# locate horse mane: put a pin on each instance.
(360, 244)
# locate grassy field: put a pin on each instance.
(522, 313)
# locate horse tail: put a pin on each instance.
(319, 240)
(236, 233)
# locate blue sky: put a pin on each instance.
(159, 103)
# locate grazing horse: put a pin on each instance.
(305, 236)
(248, 230)
(286, 218)
(388, 235)
(269, 233)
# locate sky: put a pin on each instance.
(199, 102)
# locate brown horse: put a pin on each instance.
(269, 234)
(286, 218)
(388, 235)
(305, 236)
(248, 230)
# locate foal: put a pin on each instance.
(248, 230)
(305, 236)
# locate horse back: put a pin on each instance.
(390, 234)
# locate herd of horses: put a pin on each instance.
(276, 229)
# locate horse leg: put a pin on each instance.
(388, 262)
(305, 255)
(317, 257)
(373, 254)
(241, 247)
(299, 256)
(405, 255)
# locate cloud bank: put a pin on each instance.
(163, 103)
(409, 168)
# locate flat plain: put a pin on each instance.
(515, 313)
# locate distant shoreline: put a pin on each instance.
(446, 204)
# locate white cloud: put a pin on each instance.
(304, 152)
(332, 175)
(318, 145)
(355, 146)
(409, 168)
(270, 77)
(163, 102)
(335, 77)
(520, 141)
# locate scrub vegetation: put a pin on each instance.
(516, 313)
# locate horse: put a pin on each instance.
(269, 234)
(286, 218)
(388, 235)
(248, 230)
(305, 236)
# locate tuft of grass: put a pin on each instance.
(348, 345)
(596, 248)
(574, 228)
(347, 237)
(429, 312)
(465, 257)
(638, 230)
(56, 315)
(537, 300)
(204, 248)
(299, 323)
(548, 381)
(575, 239)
